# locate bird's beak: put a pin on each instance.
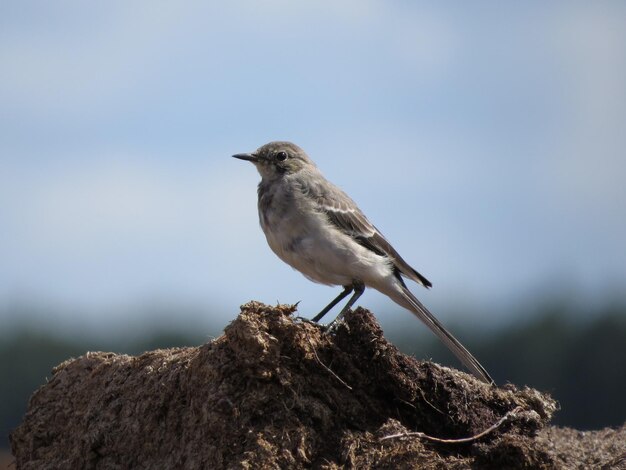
(247, 156)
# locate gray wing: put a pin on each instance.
(344, 214)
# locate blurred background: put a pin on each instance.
(485, 139)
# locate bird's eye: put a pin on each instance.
(281, 156)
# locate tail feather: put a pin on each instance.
(405, 298)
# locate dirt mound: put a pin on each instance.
(276, 392)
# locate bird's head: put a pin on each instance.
(277, 159)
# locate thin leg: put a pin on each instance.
(346, 291)
(359, 288)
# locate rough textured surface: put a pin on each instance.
(275, 392)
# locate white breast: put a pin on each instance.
(304, 239)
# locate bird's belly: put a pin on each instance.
(323, 254)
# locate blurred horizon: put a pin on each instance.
(160, 315)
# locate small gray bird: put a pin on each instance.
(314, 227)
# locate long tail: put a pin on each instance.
(402, 296)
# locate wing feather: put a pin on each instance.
(344, 214)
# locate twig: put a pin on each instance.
(328, 368)
(489, 430)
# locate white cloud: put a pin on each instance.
(121, 223)
(122, 195)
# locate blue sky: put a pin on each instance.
(485, 139)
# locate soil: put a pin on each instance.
(277, 392)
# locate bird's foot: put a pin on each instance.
(328, 328)
(335, 324)
(310, 322)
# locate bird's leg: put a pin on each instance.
(359, 288)
(344, 293)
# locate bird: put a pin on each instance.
(317, 229)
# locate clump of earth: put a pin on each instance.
(277, 392)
